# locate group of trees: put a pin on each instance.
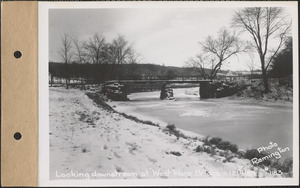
(268, 28)
(109, 56)
(282, 65)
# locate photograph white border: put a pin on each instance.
(43, 53)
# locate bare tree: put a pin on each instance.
(222, 48)
(120, 50)
(79, 50)
(66, 54)
(94, 48)
(264, 24)
(198, 64)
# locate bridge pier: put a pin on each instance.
(166, 92)
(204, 90)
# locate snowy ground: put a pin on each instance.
(87, 141)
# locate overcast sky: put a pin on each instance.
(161, 36)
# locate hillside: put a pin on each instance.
(129, 71)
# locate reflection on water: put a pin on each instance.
(244, 123)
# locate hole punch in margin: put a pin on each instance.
(17, 136)
(17, 54)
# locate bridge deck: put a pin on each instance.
(157, 81)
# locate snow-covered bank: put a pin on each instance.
(87, 141)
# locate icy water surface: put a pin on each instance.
(247, 124)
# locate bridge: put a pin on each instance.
(161, 84)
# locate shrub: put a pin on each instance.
(199, 149)
(207, 149)
(250, 154)
(233, 148)
(241, 153)
(206, 141)
(287, 165)
(228, 158)
(225, 145)
(172, 130)
(175, 153)
(84, 149)
(171, 127)
(222, 153)
(275, 164)
(215, 140)
(253, 153)
(212, 152)
(138, 120)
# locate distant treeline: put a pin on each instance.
(103, 72)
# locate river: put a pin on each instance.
(248, 124)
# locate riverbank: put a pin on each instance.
(230, 118)
(94, 142)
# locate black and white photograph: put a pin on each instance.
(170, 92)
